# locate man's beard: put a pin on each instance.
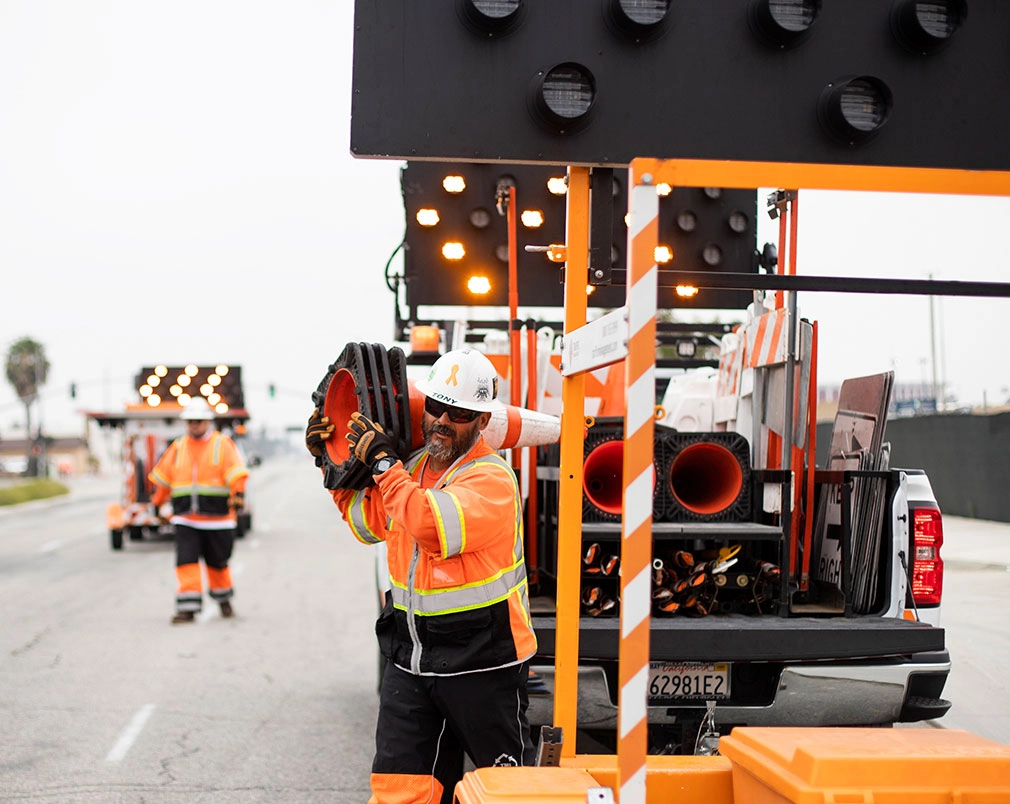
(460, 443)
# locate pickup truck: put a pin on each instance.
(773, 620)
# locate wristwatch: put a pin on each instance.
(382, 465)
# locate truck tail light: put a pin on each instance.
(927, 565)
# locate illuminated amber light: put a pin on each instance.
(161, 371)
(454, 184)
(222, 370)
(185, 399)
(214, 380)
(153, 380)
(184, 380)
(221, 407)
(213, 399)
(663, 188)
(532, 218)
(146, 390)
(206, 389)
(154, 400)
(556, 253)
(427, 217)
(478, 285)
(192, 370)
(662, 253)
(687, 291)
(453, 250)
(557, 185)
(424, 338)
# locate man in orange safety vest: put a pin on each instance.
(456, 627)
(203, 475)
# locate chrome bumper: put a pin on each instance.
(807, 695)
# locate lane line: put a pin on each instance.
(130, 734)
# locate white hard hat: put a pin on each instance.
(463, 378)
(197, 410)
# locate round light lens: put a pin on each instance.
(712, 255)
(427, 217)
(501, 251)
(925, 25)
(563, 97)
(568, 91)
(737, 222)
(862, 106)
(557, 185)
(496, 9)
(940, 20)
(783, 23)
(454, 184)
(687, 221)
(479, 285)
(453, 250)
(532, 218)
(794, 15)
(854, 109)
(662, 253)
(480, 218)
(713, 192)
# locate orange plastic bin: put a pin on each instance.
(866, 766)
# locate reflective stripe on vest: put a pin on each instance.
(449, 517)
(463, 598)
(356, 519)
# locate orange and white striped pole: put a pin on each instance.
(636, 533)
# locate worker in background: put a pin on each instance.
(456, 627)
(203, 476)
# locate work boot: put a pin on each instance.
(226, 609)
(184, 617)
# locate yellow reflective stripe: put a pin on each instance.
(188, 489)
(465, 597)
(358, 522)
(448, 520)
(216, 448)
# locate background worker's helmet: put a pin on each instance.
(463, 378)
(197, 410)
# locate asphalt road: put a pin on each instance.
(102, 700)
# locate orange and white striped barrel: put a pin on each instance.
(636, 542)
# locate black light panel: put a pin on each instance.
(457, 241)
(900, 83)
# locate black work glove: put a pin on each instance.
(318, 430)
(368, 440)
(236, 501)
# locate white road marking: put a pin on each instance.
(130, 734)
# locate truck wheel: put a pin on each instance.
(117, 539)
(136, 533)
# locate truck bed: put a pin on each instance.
(741, 638)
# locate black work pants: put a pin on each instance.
(426, 723)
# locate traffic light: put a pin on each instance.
(220, 385)
(903, 83)
(73, 390)
(455, 236)
(272, 390)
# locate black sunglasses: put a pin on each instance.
(456, 415)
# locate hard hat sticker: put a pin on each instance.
(451, 379)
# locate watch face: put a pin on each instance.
(382, 465)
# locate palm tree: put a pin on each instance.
(27, 370)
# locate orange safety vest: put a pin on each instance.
(459, 600)
(200, 475)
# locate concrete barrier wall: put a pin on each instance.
(966, 457)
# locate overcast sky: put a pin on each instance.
(176, 186)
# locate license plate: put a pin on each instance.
(688, 681)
